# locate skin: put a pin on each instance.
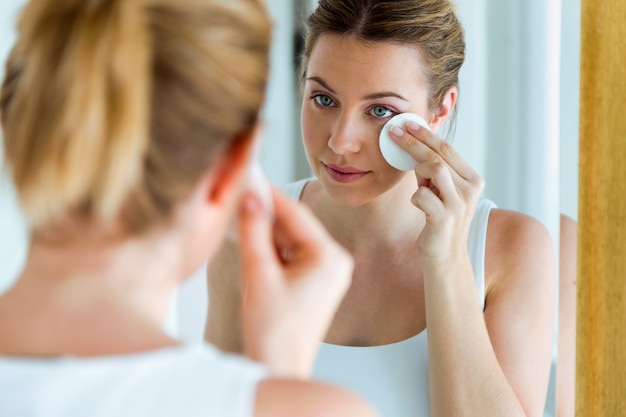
(566, 375)
(103, 293)
(416, 272)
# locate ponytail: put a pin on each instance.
(75, 106)
(114, 109)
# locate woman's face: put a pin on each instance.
(351, 90)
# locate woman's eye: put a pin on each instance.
(381, 111)
(323, 100)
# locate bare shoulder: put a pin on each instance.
(568, 247)
(568, 231)
(518, 247)
(288, 398)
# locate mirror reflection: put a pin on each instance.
(516, 105)
(508, 128)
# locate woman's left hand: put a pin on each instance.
(448, 191)
(510, 336)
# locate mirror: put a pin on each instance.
(508, 123)
(518, 107)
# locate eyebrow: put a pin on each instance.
(373, 96)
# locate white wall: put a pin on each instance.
(13, 236)
(509, 103)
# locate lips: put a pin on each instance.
(344, 174)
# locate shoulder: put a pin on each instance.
(513, 228)
(518, 247)
(568, 231)
(287, 398)
(568, 252)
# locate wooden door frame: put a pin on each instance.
(601, 298)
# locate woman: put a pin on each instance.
(128, 130)
(566, 369)
(450, 311)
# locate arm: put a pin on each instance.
(519, 313)
(293, 277)
(496, 363)
(223, 325)
(566, 365)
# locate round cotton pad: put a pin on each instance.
(394, 154)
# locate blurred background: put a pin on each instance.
(517, 120)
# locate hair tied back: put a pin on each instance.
(77, 117)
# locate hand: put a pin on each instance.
(448, 191)
(294, 277)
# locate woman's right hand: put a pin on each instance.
(294, 278)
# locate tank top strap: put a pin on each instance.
(476, 242)
(294, 189)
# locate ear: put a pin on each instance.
(229, 173)
(446, 108)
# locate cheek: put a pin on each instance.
(314, 130)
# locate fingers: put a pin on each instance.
(258, 257)
(426, 200)
(440, 181)
(297, 230)
(289, 302)
(293, 229)
(424, 145)
(313, 255)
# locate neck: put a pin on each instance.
(391, 217)
(94, 297)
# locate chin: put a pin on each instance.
(349, 195)
(359, 194)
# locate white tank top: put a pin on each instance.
(193, 380)
(394, 377)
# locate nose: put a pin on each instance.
(346, 136)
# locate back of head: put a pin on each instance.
(115, 108)
(431, 26)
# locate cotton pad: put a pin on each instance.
(392, 152)
(258, 183)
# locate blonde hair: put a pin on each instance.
(115, 108)
(431, 26)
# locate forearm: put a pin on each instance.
(223, 329)
(465, 376)
(283, 353)
(223, 322)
